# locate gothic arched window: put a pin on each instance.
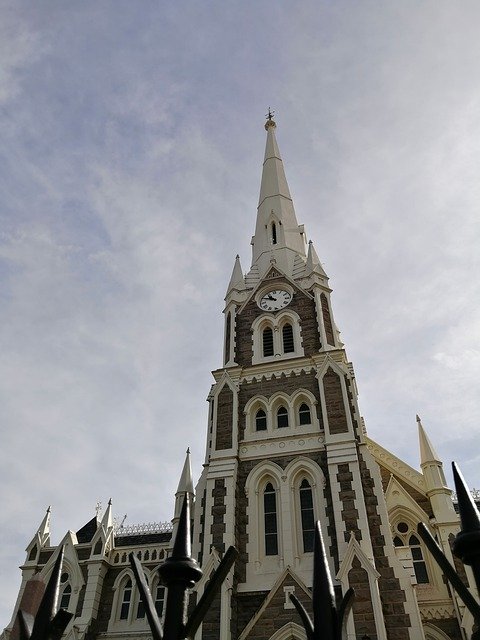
(304, 416)
(419, 565)
(307, 517)
(287, 335)
(282, 417)
(267, 342)
(65, 599)
(270, 520)
(126, 600)
(274, 233)
(159, 599)
(228, 330)
(260, 420)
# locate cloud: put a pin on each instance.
(131, 159)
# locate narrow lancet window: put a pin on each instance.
(126, 600)
(419, 565)
(65, 599)
(267, 342)
(228, 331)
(304, 414)
(307, 517)
(282, 417)
(288, 344)
(159, 600)
(260, 420)
(270, 520)
(274, 233)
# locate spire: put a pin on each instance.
(427, 452)
(185, 488)
(44, 528)
(277, 233)
(186, 481)
(236, 281)
(313, 262)
(107, 520)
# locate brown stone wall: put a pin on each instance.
(100, 624)
(244, 607)
(362, 604)
(337, 417)
(397, 621)
(267, 388)
(211, 621)
(224, 419)
(301, 303)
(218, 512)
(327, 321)
(275, 615)
(347, 496)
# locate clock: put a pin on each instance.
(275, 300)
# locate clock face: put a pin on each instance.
(275, 300)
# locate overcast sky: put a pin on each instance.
(131, 149)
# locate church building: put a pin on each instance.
(285, 446)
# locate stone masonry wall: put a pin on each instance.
(362, 604)
(224, 419)
(396, 619)
(337, 417)
(327, 321)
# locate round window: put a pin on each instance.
(402, 527)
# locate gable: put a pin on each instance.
(277, 610)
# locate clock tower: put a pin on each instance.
(286, 446)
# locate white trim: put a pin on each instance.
(276, 323)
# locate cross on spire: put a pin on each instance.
(270, 114)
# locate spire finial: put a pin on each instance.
(270, 121)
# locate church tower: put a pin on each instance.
(286, 447)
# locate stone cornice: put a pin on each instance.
(396, 466)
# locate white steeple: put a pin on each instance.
(427, 452)
(185, 486)
(435, 481)
(237, 280)
(278, 235)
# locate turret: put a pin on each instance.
(435, 482)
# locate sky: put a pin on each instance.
(130, 160)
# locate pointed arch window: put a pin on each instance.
(274, 233)
(419, 565)
(270, 520)
(282, 417)
(126, 600)
(260, 420)
(159, 599)
(304, 415)
(228, 331)
(267, 342)
(287, 335)
(65, 599)
(307, 517)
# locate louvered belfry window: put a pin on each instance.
(287, 334)
(267, 342)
